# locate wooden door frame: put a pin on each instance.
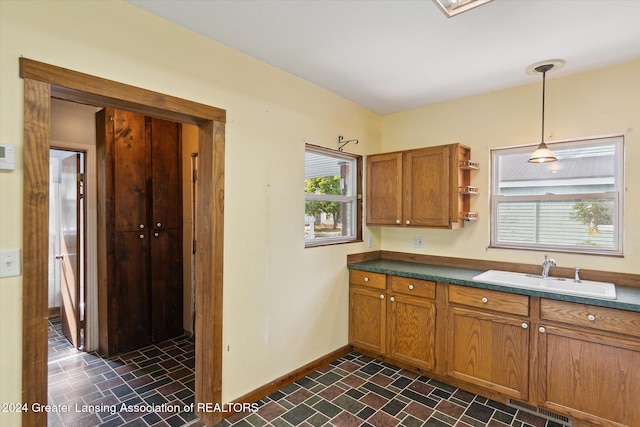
(43, 81)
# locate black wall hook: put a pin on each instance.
(342, 143)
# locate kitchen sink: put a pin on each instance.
(558, 285)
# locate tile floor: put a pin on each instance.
(354, 390)
(359, 391)
(93, 388)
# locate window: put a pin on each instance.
(333, 201)
(573, 205)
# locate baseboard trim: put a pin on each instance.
(301, 372)
(54, 312)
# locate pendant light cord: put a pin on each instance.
(543, 69)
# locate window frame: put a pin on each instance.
(617, 196)
(355, 198)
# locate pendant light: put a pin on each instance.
(542, 153)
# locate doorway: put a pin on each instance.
(41, 83)
(67, 242)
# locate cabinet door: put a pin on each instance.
(426, 183)
(166, 284)
(367, 314)
(129, 291)
(489, 350)
(384, 189)
(129, 172)
(587, 374)
(165, 170)
(412, 330)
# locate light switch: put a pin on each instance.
(9, 262)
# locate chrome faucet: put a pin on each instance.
(546, 265)
(576, 276)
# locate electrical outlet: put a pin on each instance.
(370, 241)
(418, 242)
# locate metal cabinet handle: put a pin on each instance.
(410, 287)
(366, 279)
(381, 296)
(397, 221)
(407, 222)
(591, 318)
(392, 299)
(142, 236)
(485, 300)
(141, 226)
(542, 329)
(525, 325)
(156, 234)
(158, 225)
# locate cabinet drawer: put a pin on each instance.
(601, 318)
(366, 278)
(488, 299)
(417, 287)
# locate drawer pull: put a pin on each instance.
(156, 234)
(397, 221)
(484, 300)
(366, 279)
(407, 222)
(591, 318)
(525, 325)
(542, 329)
(392, 299)
(410, 287)
(141, 226)
(381, 296)
(142, 236)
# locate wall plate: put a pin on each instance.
(7, 157)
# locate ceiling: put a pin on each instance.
(395, 55)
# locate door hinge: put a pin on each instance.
(195, 246)
(80, 177)
(449, 219)
(195, 175)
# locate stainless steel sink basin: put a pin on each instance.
(558, 285)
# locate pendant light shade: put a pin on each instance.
(542, 153)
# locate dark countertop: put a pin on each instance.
(628, 298)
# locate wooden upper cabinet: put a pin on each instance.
(384, 189)
(419, 188)
(426, 183)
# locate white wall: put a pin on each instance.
(284, 305)
(599, 102)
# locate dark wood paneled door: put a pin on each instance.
(130, 293)
(142, 215)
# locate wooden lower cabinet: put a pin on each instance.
(589, 376)
(489, 350)
(367, 319)
(577, 360)
(588, 362)
(412, 331)
(393, 320)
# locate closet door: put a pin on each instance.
(129, 172)
(165, 205)
(129, 293)
(166, 285)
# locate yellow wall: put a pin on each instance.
(284, 305)
(600, 102)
